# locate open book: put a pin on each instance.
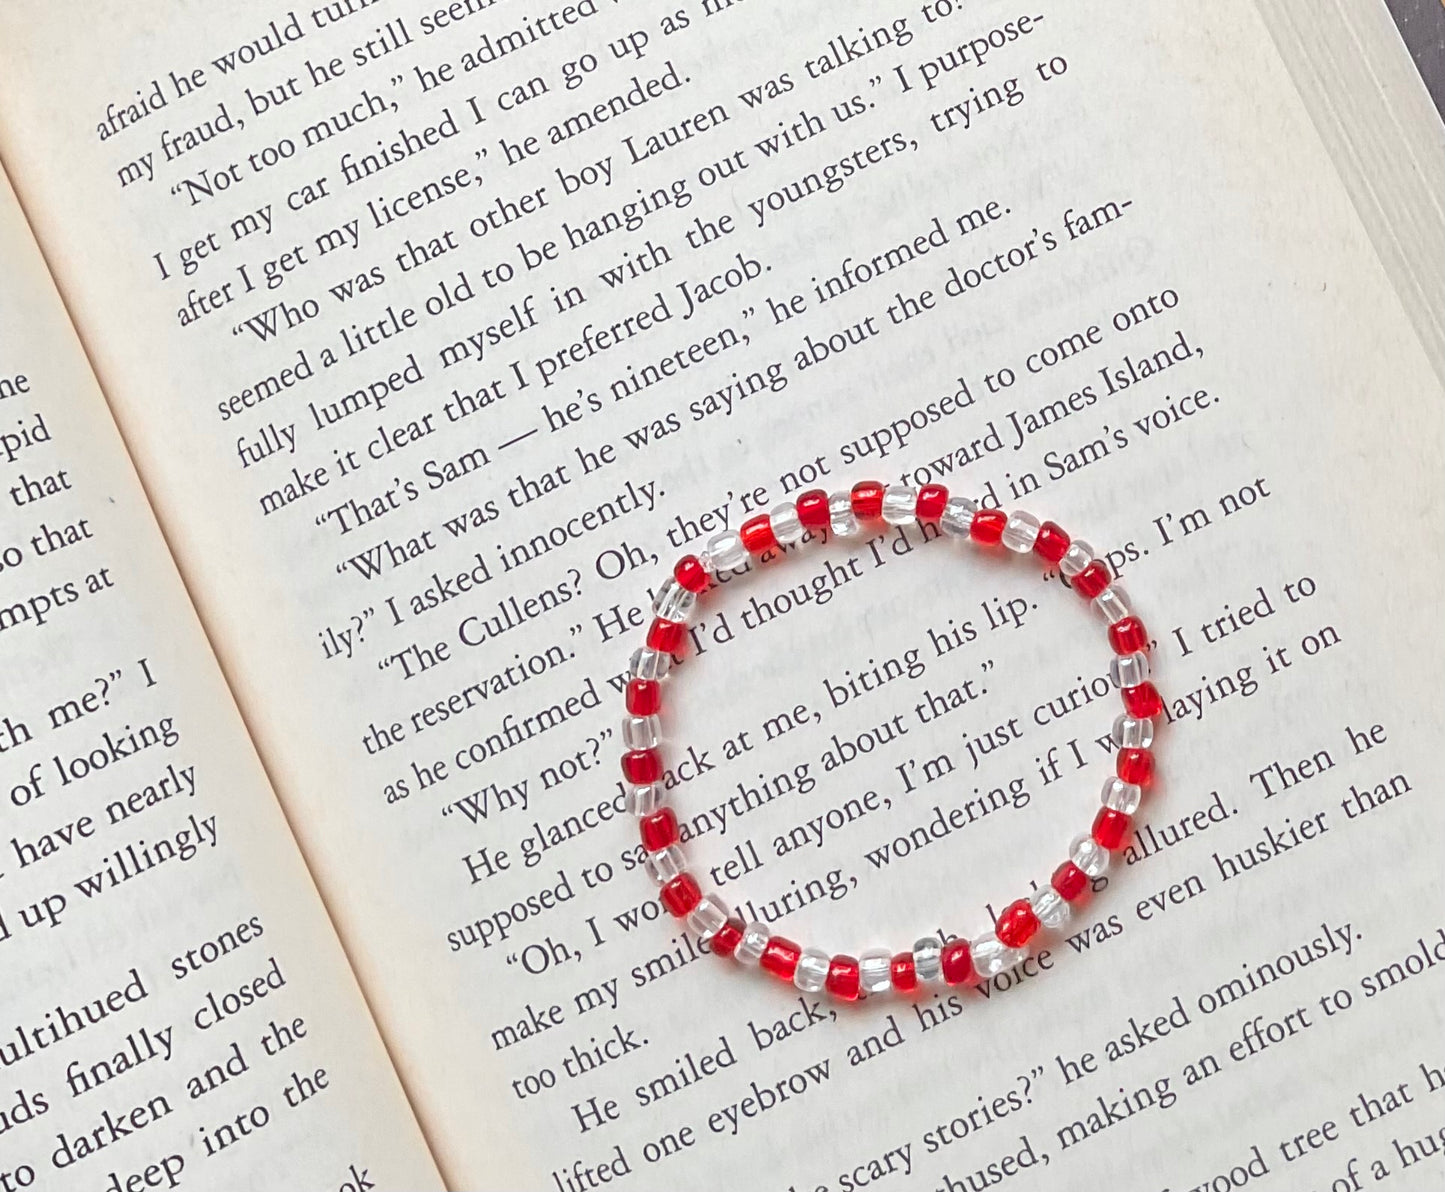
(364, 366)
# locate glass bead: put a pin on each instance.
(757, 534)
(708, 918)
(867, 498)
(1111, 829)
(844, 980)
(1128, 636)
(1143, 701)
(812, 972)
(1021, 531)
(1050, 907)
(1069, 881)
(1017, 923)
(641, 767)
(1129, 670)
(875, 970)
(681, 895)
(664, 866)
(988, 526)
(728, 936)
(641, 732)
(1079, 555)
(648, 664)
(1093, 580)
(644, 696)
(780, 958)
(932, 500)
(1135, 765)
(1113, 604)
(1122, 796)
(957, 519)
(642, 801)
(957, 962)
(841, 518)
(659, 830)
(787, 526)
(992, 956)
(905, 973)
(928, 958)
(1052, 543)
(813, 509)
(1132, 733)
(1089, 856)
(691, 574)
(726, 551)
(673, 602)
(753, 944)
(900, 505)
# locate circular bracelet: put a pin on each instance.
(932, 960)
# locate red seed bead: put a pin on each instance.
(932, 500)
(1052, 544)
(988, 525)
(1110, 828)
(813, 509)
(903, 972)
(659, 830)
(681, 895)
(1069, 881)
(1135, 765)
(666, 637)
(868, 499)
(844, 980)
(641, 767)
(690, 573)
(1093, 579)
(757, 534)
(781, 958)
(1128, 636)
(644, 696)
(727, 939)
(1143, 702)
(957, 963)
(1018, 924)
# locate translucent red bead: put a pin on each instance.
(957, 963)
(659, 830)
(757, 534)
(1052, 544)
(644, 697)
(813, 509)
(904, 972)
(691, 574)
(1093, 579)
(932, 501)
(1128, 636)
(641, 767)
(1143, 702)
(1069, 881)
(844, 979)
(666, 637)
(1135, 765)
(867, 496)
(1110, 828)
(1018, 924)
(988, 526)
(681, 895)
(781, 958)
(725, 942)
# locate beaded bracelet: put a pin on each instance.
(931, 960)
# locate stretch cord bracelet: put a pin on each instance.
(931, 961)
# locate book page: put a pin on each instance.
(439, 330)
(177, 1011)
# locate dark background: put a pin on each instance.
(1422, 22)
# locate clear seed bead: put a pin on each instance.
(1130, 733)
(1113, 604)
(1079, 555)
(1129, 670)
(928, 958)
(644, 800)
(786, 526)
(1049, 906)
(812, 972)
(753, 944)
(1021, 532)
(875, 970)
(663, 866)
(840, 512)
(992, 956)
(957, 519)
(648, 664)
(1122, 796)
(900, 505)
(1089, 855)
(726, 551)
(708, 917)
(641, 732)
(674, 602)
